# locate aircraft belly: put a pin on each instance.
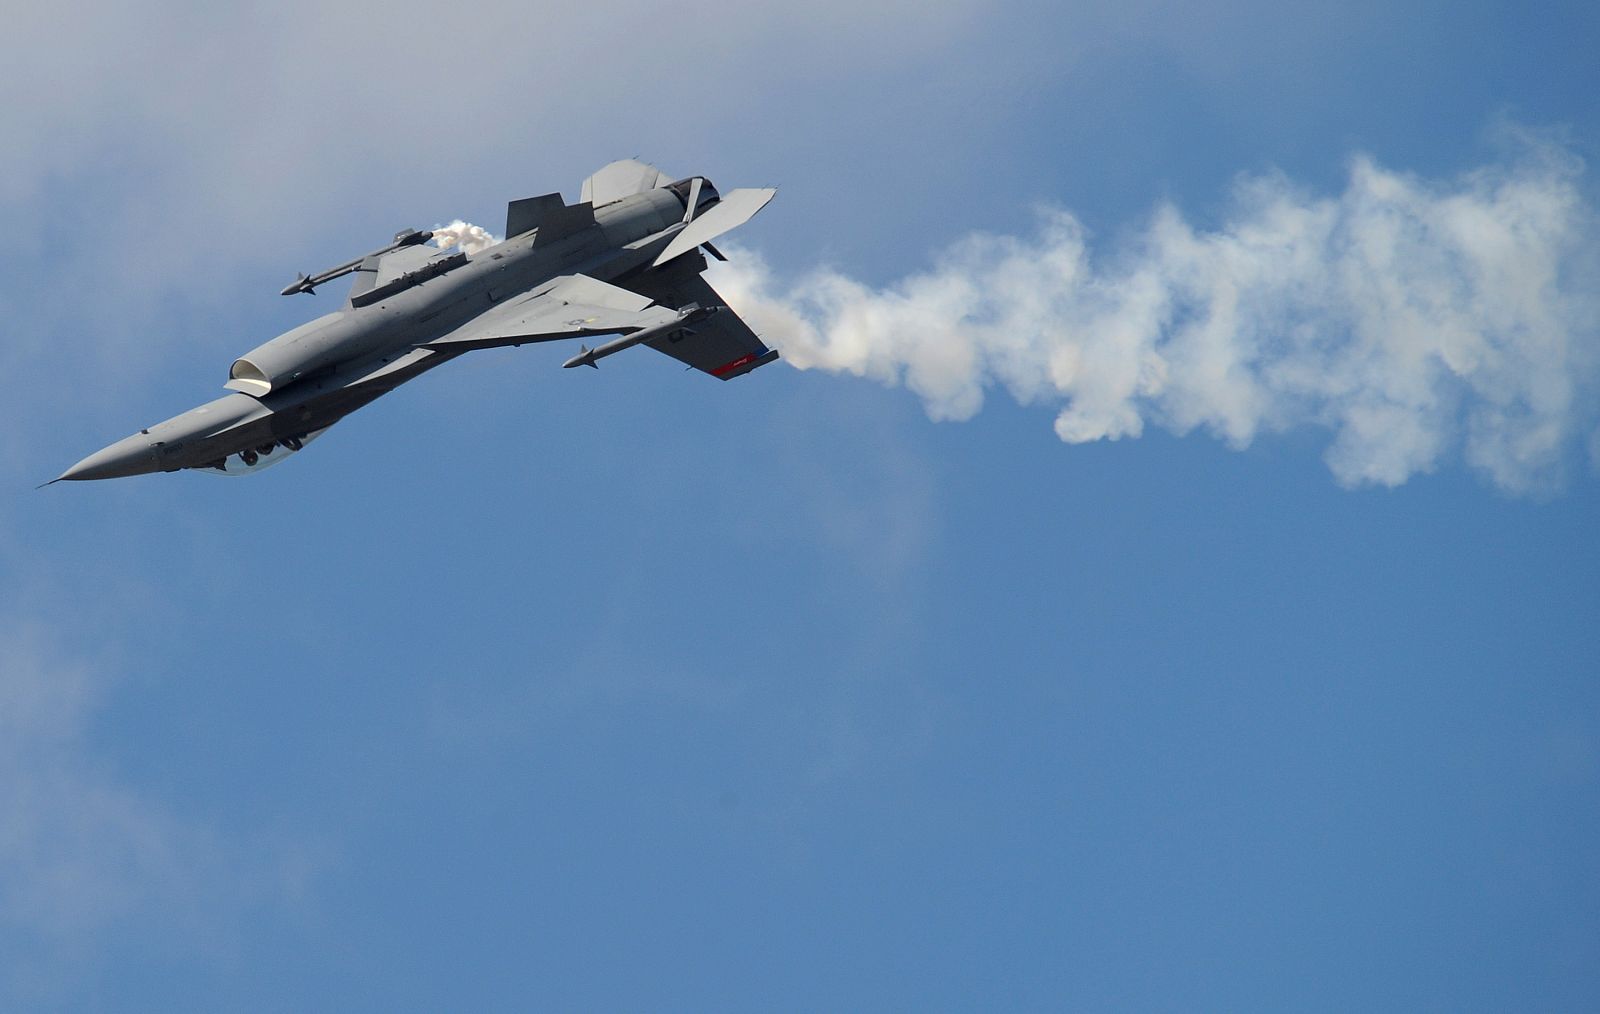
(200, 437)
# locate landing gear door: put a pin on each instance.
(254, 459)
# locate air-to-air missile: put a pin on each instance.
(403, 238)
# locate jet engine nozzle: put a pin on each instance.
(696, 194)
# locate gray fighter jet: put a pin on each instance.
(623, 261)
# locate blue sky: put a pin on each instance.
(527, 689)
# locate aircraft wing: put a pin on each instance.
(574, 306)
(722, 345)
(378, 270)
(577, 306)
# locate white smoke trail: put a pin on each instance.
(1415, 319)
(470, 238)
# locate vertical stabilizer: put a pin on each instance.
(621, 179)
(552, 216)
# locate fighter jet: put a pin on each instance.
(625, 260)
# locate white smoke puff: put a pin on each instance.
(470, 238)
(1413, 319)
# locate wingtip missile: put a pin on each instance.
(403, 238)
(585, 357)
(688, 315)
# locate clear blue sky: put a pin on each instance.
(539, 689)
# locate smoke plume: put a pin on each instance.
(470, 238)
(1416, 320)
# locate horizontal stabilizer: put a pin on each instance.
(736, 208)
(552, 216)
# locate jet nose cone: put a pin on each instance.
(133, 456)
